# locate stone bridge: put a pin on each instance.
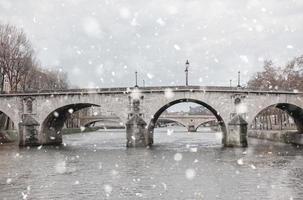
(191, 122)
(87, 121)
(39, 117)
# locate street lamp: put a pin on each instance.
(136, 78)
(186, 72)
(239, 74)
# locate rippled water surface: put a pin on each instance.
(179, 166)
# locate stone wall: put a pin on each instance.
(285, 136)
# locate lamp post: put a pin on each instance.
(186, 72)
(136, 78)
(230, 83)
(239, 74)
(143, 83)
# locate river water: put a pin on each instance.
(180, 165)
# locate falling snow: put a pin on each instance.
(178, 157)
(190, 174)
(169, 94)
(100, 45)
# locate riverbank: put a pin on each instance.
(285, 136)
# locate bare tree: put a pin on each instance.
(39, 79)
(293, 74)
(266, 79)
(19, 66)
(16, 55)
(57, 79)
(289, 77)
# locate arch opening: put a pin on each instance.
(105, 124)
(281, 122)
(167, 122)
(281, 116)
(66, 116)
(208, 108)
(211, 124)
(8, 129)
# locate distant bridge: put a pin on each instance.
(191, 122)
(39, 116)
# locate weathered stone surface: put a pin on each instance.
(136, 132)
(50, 109)
(237, 135)
(285, 136)
(28, 131)
(28, 120)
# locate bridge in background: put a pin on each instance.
(39, 117)
(191, 122)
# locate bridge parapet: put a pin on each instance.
(154, 89)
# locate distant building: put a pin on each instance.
(199, 110)
(6, 86)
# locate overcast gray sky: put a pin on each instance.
(102, 42)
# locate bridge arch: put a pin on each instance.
(89, 123)
(51, 126)
(8, 126)
(11, 111)
(293, 110)
(173, 120)
(156, 116)
(210, 121)
(14, 119)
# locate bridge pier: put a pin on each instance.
(191, 128)
(136, 128)
(136, 132)
(237, 133)
(31, 135)
(28, 133)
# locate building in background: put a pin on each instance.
(6, 86)
(199, 110)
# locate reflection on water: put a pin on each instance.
(179, 166)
